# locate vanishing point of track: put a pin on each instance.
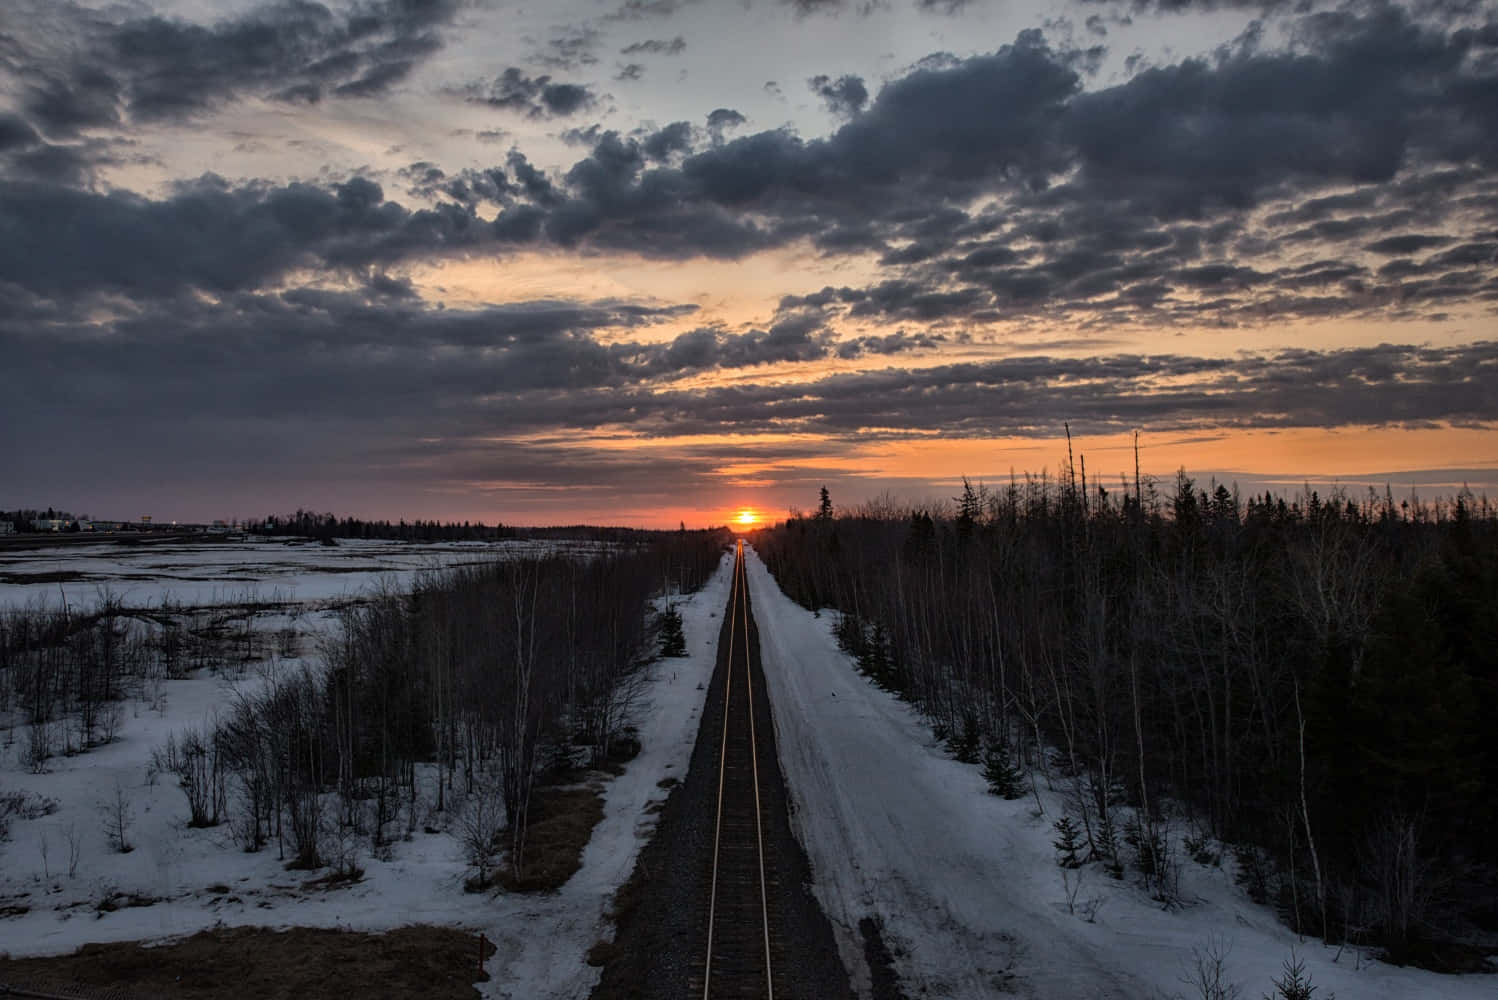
(738, 958)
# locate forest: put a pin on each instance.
(449, 697)
(1302, 688)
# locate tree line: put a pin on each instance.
(1311, 681)
(328, 526)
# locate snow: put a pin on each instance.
(541, 939)
(966, 884)
(212, 573)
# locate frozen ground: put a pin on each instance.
(212, 573)
(966, 884)
(196, 878)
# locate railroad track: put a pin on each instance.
(739, 960)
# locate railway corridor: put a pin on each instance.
(738, 960)
(719, 907)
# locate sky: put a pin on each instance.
(655, 261)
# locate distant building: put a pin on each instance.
(7, 528)
(50, 524)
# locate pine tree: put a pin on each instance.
(1067, 843)
(1295, 984)
(673, 639)
(967, 744)
(1005, 778)
(824, 506)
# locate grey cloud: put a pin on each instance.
(535, 97)
(673, 138)
(163, 68)
(570, 47)
(637, 10)
(208, 235)
(948, 7)
(844, 96)
(1118, 202)
(15, 133)
(898, 342)
(278, 380)
(720, 121)
(804, 8)
(1407, 243)
(656, 46)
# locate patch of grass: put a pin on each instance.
(298, 964)
(562, 822)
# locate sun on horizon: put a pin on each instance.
(745, 519)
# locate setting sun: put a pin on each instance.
(746, 519)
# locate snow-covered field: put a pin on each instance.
(57, 868)
(212, 573)
(966, 884)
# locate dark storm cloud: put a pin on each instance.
(146, 68)
(15, 133)
(844, 96)
(674, 138)
(469, 188)
(209, 235)
(1169, 197)
(535, 97)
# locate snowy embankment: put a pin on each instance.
(57, 869)
(966, 884)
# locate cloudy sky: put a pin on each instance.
(637, 261)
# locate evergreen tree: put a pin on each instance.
(673, 638)
(1068, 843)
(967, 743)
(1004, 776)
(824, 506)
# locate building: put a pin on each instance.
(7, 528)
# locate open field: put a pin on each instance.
(206, 572)
(257, 612)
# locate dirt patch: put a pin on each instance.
(562, 822)
(302, 963)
